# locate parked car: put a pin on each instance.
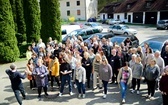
(84, 33)
(156, 43)
(100, 36)
(162, 24)
(91, 20)
(112, 22)
(122, 38)
(122, 30)
(94, 25)
(66, 29)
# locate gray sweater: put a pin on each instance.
(137, 70)
(152, 73)
(105, 72)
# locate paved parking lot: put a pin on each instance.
(92, 97)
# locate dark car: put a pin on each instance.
(100, 36)
(91, 20)
(84, 33)
(156, 43)
(121, 39)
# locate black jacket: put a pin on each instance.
(15, 78)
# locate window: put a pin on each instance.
(148, 4)
(77, 3)
(125, 15)
(68, 13)
(67, 4)
(78, 12)
(128, 6)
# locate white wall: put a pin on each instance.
(101, 15)
(122, 16)
(73, 9)
(91, 8)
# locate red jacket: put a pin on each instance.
(164, 84)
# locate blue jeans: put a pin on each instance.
(80, 86)
(105, 83)
(63, 82)
(123, 87)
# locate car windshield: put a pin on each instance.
(155, 45)
(75, 32)
(118, 40)
(161, 22)
(94, 25)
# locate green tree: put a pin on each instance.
(32, 20)
(50, 19)
(21, 26)
(9, 51)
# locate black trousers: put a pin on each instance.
(53, 78)
(88, 74)
(17, 94)
(135, 82)
(115, 74)
(165, 99)
(40, 89)
(32, 83)
(151, 87)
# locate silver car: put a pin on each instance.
(122, 30)
(162, 24)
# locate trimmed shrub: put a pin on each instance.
(50, 19)
(9, 51)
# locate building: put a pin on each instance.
(80, 9)
(140, 11)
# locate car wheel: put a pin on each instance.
(125, 33)
(166, 28)
(112, 32)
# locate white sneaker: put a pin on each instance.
(83, 96)
(79, 96)
(104, 96)
(132, 91)
(123, 101)
(75, 86)
(60, 94)
(71, 93)
(152, 98)
(138, 92)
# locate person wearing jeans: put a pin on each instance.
(124, 79)
(65, 70)
(151, 73)
(80, 79)
(105, 74)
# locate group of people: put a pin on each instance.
(98, 61)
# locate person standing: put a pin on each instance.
(31, 78)
(95, 71)
(164, 86)
(54, 67)
(137, 72)
(40, 72)
(124, 79)
(65, 70)
(115, 64)
(80, 78)
(87, 64)
(16, 82)
(151, 73)
(105, 73)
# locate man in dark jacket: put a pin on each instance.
(16, 82)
